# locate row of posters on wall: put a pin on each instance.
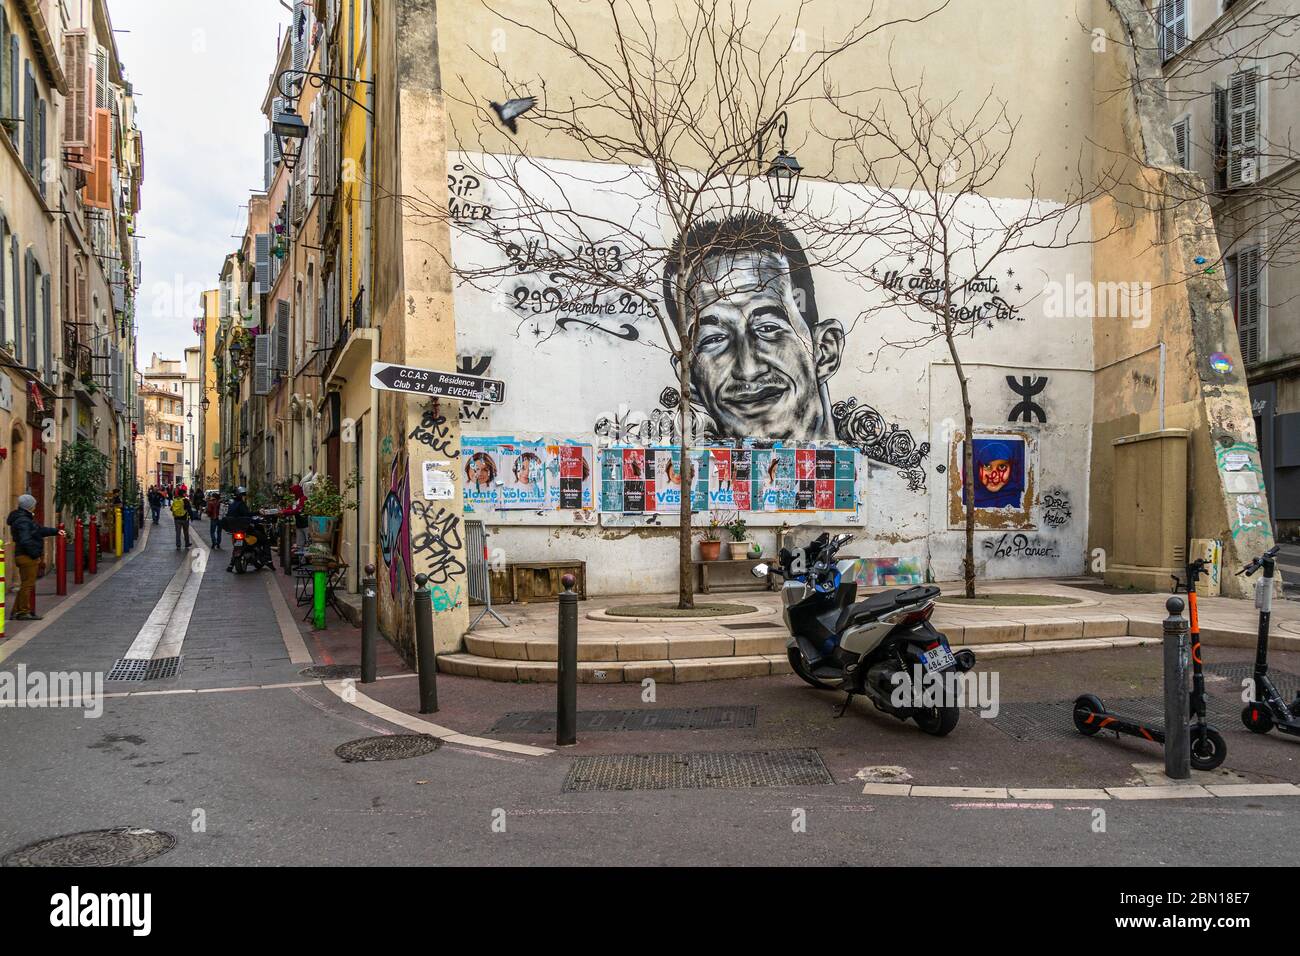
(504, 473)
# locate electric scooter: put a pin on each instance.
(1208, 746)
(1267, 709)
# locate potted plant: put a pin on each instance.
(755, 551)
(325, 505)
(739, 544)
(710, 545)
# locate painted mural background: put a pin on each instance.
(804, 357)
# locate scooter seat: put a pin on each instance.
(878, 605)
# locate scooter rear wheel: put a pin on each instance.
(1257, 718)
(1083, 707)
(1208, 750)
(937, 721)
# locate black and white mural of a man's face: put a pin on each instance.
(761, 362)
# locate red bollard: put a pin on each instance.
(79, 553)
(94, 544)
(61, 563)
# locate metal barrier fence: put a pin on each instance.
(479, 572)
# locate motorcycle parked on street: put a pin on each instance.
(250, 542)
(884, 647)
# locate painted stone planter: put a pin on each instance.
(320, 529)
(739, 549)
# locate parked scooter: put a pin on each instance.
(1266, 708)
(1208, 746)
(884, 647)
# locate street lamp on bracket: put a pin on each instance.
(783, 172)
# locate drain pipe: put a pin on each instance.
(1161, 385)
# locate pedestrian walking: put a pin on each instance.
(214, 519)
(182, 512)
(29, 542)
(155, 502)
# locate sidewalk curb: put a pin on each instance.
(420, 726)
(1175, 792)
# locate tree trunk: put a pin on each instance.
(968, 462)
(685, 570)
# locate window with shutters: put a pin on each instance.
(261, 365)
(76, 107)
(1244, 284)
(29, 118)
(262, 261)
(1243, 128)
(1182, 131)
(1171, 26)
(15, 89)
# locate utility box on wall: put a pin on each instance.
(1150, 518)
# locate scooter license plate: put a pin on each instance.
(938, 659)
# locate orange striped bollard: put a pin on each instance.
(61, 562)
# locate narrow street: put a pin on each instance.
(234, 756)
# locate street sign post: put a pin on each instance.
(427, 381)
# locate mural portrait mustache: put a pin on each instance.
(762, 358)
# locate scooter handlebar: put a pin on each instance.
(1258, 562)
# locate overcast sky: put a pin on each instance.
(200, 70)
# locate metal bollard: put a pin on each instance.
(61, 564)
(1178, 738)
(78, 552)
(566, 677)
(426, 659)
(369, 626)
(93, 565)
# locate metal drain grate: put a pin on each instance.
(1236, 671)
(120, 846)
(696, 771)
(755, 625)
(136, 669)
(644, 718)
(387, 747)
(332, 671)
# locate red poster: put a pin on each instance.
(571, 461)
(805, 463)
(634, 464)
(824, 496)
(740, 490)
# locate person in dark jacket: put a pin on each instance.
(29, 543)
(155, 503)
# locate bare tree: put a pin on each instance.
(922, 168)
(680, 105)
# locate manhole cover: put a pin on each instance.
(142, 669)
(120, 846)
(332, 671)
(387, 747)
(695, 771)
(644, 718)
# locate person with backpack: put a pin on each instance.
(29, 543)
(182, 512)
(155, 503)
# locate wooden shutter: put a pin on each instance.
(6, 90)
(282, 335)
(1243, 126)
(47, 325)
(14, 87)
(1220, 138)
(101, 78)
(27, 334)
(98, 191)
(76, 107)
(262, 259)
(41, 134)
(29, 117)
(1182, 142)
(301, 35)
(1248, 307)
(17, 318)
(1172, 27)
(261, 364)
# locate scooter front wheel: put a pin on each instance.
(1208, 748)
(1086, 709)
(1257, 719)
(800, 667)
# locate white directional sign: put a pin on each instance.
(427, 381)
